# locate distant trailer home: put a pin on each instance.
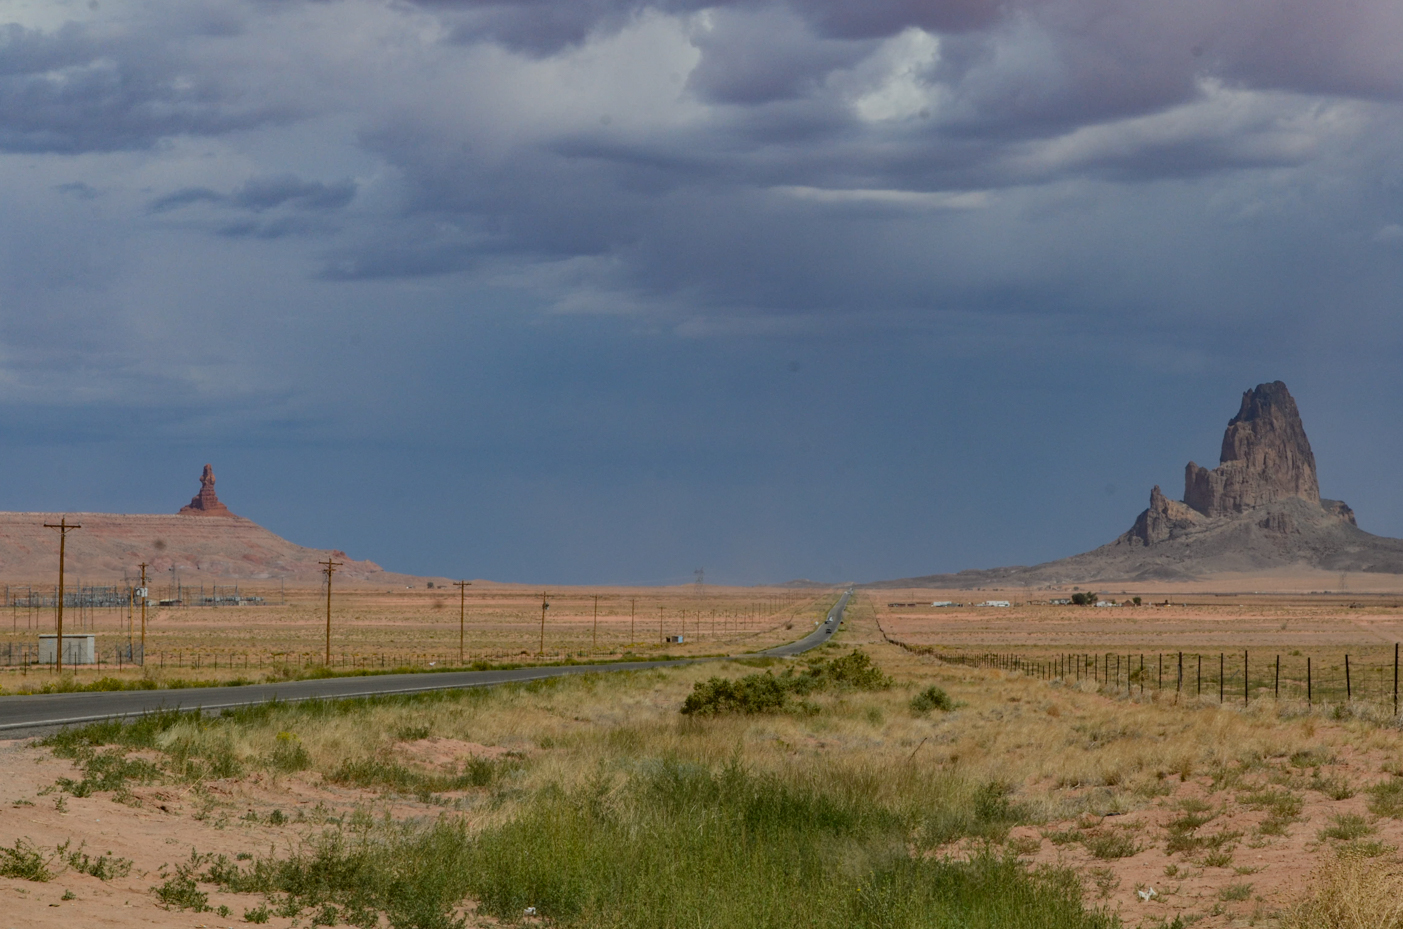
(995, 603)
(894, 605)
(1107, 603)
(1061, 601)
(946, 603)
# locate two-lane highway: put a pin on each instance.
(44, 711)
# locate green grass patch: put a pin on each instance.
(1110, 845)
(674, 844)
(1347, 827)
(1386, 798)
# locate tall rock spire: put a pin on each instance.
(1266, 457)
(206, 503)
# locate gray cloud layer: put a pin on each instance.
(1167, 182)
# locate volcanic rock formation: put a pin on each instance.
(1266, 456)
(206, 503)
(1260, 509)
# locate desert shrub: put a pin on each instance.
(289, 754)
(181, 891)
(103, 867)
(854, 670)
(24, 861)
(753, 693)
(932, 698)
(769, 692)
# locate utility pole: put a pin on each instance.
(331, 567)
(63, 530)
(545, 605)
(142, 592)
(595, 646)
(462, 612)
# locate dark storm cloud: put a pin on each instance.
(546, 26)
(752, 256)
(79, 89)
(265, 193)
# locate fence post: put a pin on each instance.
(1349, 688)
(1395, 678)
(1179, 679)
(1221, 666)
(1198, 676)
(1310, 697)
(1276, 682)
(1245, 679)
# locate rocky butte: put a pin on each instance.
(1259, 509)
(206, 502)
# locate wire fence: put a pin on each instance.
(1327, 677)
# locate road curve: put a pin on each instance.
(36, 711)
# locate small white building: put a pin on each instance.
(77, 649)
(995, 603)
(945, 603)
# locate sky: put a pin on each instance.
(595, 291)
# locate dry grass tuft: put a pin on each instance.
(1350, 892)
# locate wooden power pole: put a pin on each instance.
(331, 567)
(462, 613)
(63, 529)
(142, 591)
(545, 605)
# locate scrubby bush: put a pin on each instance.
(769, 693)
(932, 698)
(754, 693)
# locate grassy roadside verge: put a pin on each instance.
(596, 817)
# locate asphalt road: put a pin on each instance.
(50, 711)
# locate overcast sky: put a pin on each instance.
(606, 291)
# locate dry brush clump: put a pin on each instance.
(1350, 891)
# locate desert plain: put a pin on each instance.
(577, 802)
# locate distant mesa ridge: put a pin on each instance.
(200, 549)
(1259, 509)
